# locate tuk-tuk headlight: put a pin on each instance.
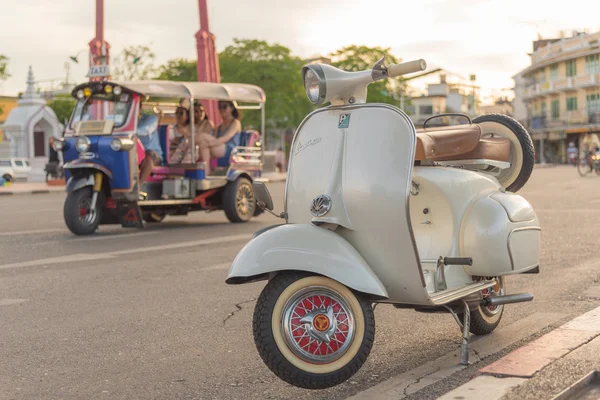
(80, 94)
(314, 83)
(117, 90)
(121, 144)
(83, 144)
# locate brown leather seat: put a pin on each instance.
(460, 142)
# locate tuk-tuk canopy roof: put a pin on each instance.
(199, 90)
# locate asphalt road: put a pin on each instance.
(146, 314)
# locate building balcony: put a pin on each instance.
(560, 85)
(568, 120)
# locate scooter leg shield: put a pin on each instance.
(303, 247)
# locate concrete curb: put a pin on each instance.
(522, 364)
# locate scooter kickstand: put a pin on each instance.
(466, 327)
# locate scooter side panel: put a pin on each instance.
(502, 234)
(362, 158)
(303, 247)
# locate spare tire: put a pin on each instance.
(522, 154)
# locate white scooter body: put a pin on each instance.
(365, 223)
(362, 158)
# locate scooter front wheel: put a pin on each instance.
(312, 331)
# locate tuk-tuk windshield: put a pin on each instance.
(102, 107)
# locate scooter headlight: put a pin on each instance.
(314, 83)
(83, 144)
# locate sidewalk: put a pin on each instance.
(546, 368)
(30, 188)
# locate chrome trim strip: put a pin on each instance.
(411, 164)
(448, 296)
(526, 228)
(164, 202)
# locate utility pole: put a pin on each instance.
(99, 48)
(208, 60)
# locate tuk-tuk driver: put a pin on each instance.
(148, 136)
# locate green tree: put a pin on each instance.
(63, 107)
(179, 69)
(4, 75)
(276, 71)
(135, 62)
(269, 66)
(359, 58)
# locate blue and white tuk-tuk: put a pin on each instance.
(101, 156)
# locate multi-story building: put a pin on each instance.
(561, 93)
(439, 91)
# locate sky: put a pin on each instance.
(490, 38)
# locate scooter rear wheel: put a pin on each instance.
(311, 331)
(485, 319)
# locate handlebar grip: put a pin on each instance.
(406, 68)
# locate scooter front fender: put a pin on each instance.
(303, 247)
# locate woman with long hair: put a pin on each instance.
(225, 136)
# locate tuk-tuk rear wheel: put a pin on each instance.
(75, 203)
(312, 331)
(239, 202)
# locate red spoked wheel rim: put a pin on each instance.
(318, 325)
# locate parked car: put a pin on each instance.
(6, 171)
(20, 168)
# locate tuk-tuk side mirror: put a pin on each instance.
(263, 197)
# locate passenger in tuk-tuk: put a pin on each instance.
(181, 145)
(203, 124)
(224, 137)
(148, 136)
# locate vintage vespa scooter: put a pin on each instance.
(378, 212)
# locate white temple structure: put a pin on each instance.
(29, 127)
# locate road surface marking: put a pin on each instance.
(103, 256)
(216, 267)
(7, 302)
(32, 232)
(202, 242)
(57, 260)
(480, 347)
(110, 236)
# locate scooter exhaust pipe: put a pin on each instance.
(509, 299)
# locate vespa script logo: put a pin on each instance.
(303, 146)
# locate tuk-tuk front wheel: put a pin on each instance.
(79, 218)
(312, 331)
(239, 202)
